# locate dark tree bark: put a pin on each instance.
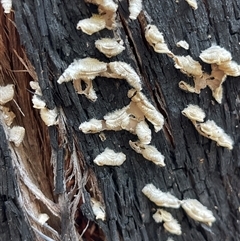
(52, 172)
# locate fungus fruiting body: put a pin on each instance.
(6, 93)
(92, 25)
(160, 198)
(125, 71)
(7, 115)
(7, 5)
(87, 68)
(149, 152)
(156, 40)
(143, 132)
(110, 158)
(215, 55)
(183, 44)
(192, 3)
(147, 109)
(16, 135)
(188, 65)
(209, 128)
(98, 209)
(135, 7)
(170, 224)
(173, 227)
(92, 126)
(197, 211)
(194, 112)
(49, 117)
(105, 19)
(109, 47)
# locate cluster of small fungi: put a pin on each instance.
(219, 58)
(133, 117)
(192, 207)
(15, 133)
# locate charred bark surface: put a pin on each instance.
(195, 166)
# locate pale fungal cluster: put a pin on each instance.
(135, 7)
(7, 5)
(109, 47)
(132, 118)
(156, 40)
(106, 17)
(192, 207)
(49, 117)
(197, 211)
(219, 58)
(221, 65)
(88, 69)
(183, 44)
(6, 93)
(169, 223)
(98, 209)
(161, 199)
(209, 128)
(110, 158)
(15, 133)
(192, 3)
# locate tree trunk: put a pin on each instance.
(52, 171)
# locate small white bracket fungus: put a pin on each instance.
(183, 44)
(162, 215)
(7, 115)
(92, 126)
(43, 218)
(210, 130)
(170, 224)
(188, 65)
(109, 47)
(83, 68)
(92, 25)
(125, 71)
(156, 40)
(110, 158)
(230, 68)
(148, 152)
(197, 211)
(98, 209)
(135, 7)
(119, 119)
(38, 103)
(6, 93)
(147, 109)
(215, 55)
(221, 64)
(49, 117)
(192, 3)
(7, 5)
(173, 227)
(160, 198)
(16, 135)
(152, 35)
(194, 113)
(107, 9)
(143, 132)
(89, 92)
